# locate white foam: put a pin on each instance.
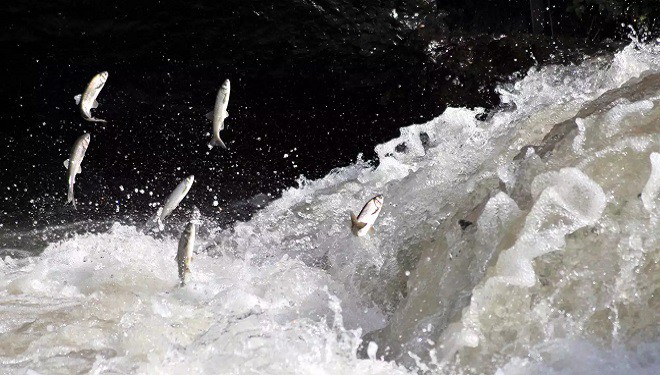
(568, 357)
(112, 299)
(565, 201)
(651, 191)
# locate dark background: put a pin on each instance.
(319, 81)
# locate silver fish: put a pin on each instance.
(185, 251)
(219, 114)
(73, 164)
(363, 223)
(87, 100)
(173, 200)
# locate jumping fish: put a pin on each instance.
(172, 201)
(363, 223)
(185, 251)
(73, 164)
(219, 114)
(87, 100)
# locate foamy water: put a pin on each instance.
(555, 270)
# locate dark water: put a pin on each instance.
(314, 84)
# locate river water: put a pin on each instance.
(528, 242)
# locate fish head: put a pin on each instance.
(103, 76)
(226, 85)
(189, 180)
(86, 138)
(378, 200)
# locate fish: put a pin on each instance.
(219, 114)
(73, 164)
(172, 202)
(363, 223)
(88, 101)
(184, 254)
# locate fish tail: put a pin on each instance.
(183, 276)
(216, 141)
(69, 196)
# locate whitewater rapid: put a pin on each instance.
(525, 243)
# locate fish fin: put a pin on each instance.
(77, 98)
(66, 164)
(372, 230)
(95, 104)
(226, 114)
(357, 225)
(94, 119)
(79, 169)
(210, 115)
(222, 125)
(217, 142)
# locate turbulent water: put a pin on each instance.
(525, 243)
